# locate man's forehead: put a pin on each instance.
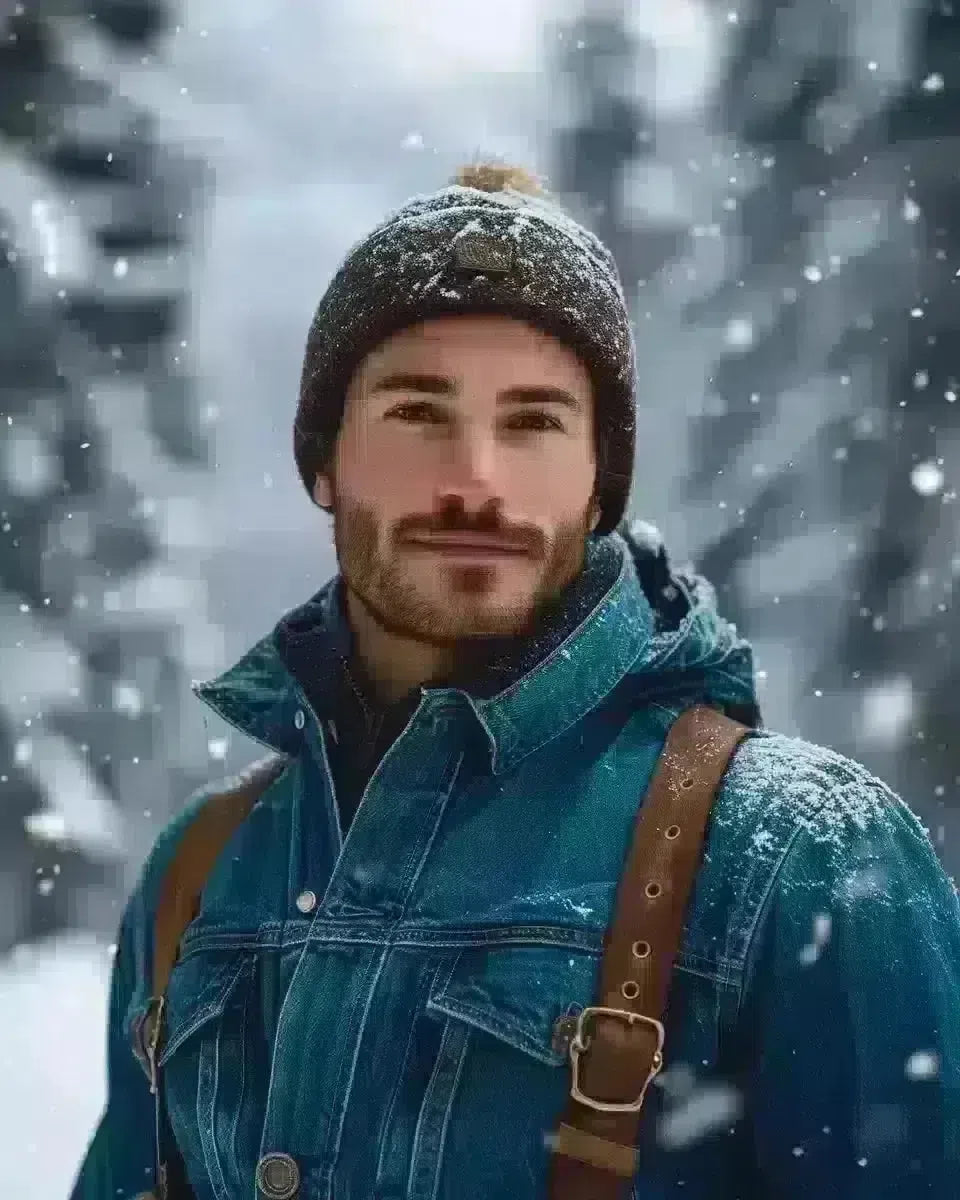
(445, 345)
(494, 331)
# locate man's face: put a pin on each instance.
(462, 482)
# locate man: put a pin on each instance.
(371, 1001)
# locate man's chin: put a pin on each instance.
(445, 619)
(472, 626)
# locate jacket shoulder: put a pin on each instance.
(788, 783)
(781, 793)
(247, 784)
(222, 794)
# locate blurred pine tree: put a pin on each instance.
(833, 405)
(99, 407)
(790, 250)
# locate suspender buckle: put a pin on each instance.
(581, 1043)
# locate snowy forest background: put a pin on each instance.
(780, 182)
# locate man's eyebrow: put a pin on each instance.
(536, 394)
(440, 385)
(414, 381)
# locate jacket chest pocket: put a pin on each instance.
(208, 1067)
(501, 1076)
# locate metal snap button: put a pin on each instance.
(307, 901)
(278, 1177)
(299, 718)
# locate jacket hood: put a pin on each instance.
(629, 622)
(691, 647)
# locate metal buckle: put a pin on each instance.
(580, 1044)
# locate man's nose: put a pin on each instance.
(469, 475)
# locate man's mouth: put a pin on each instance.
(467, 545)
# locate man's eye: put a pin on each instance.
(531, 419)
(417, 411)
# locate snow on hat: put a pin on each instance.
(490, 243)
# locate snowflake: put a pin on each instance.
(923, 1064)
(926, 478)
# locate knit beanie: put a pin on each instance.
(490, 243)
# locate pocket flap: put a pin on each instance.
(517, 993)
(199, 990)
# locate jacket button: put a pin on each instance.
(278, 1177)
(307, 901)
(299, 718)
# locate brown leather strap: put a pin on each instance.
(614, 1056)
(198, 850)
(178, 902)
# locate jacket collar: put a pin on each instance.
(553, 682)
(576, 674)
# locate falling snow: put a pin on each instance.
(927, 478)
(924, 1064)
(797, 425)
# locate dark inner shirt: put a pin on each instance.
(362, 732)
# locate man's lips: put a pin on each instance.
(466, 544)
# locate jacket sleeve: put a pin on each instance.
(119, 1162)
(851, 1010)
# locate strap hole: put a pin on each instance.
(687, 783)
(630, 990)
(653, 890)
(641, 949)
(673, 832)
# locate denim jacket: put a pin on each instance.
(382, 1007)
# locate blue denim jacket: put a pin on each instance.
(381, 1006)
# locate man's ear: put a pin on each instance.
(595, 515)
(323, 491)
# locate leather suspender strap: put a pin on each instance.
(618, 1045)
(199, 848)
(178, 903)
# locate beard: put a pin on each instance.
(419, 598)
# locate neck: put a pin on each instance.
(393, 664)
